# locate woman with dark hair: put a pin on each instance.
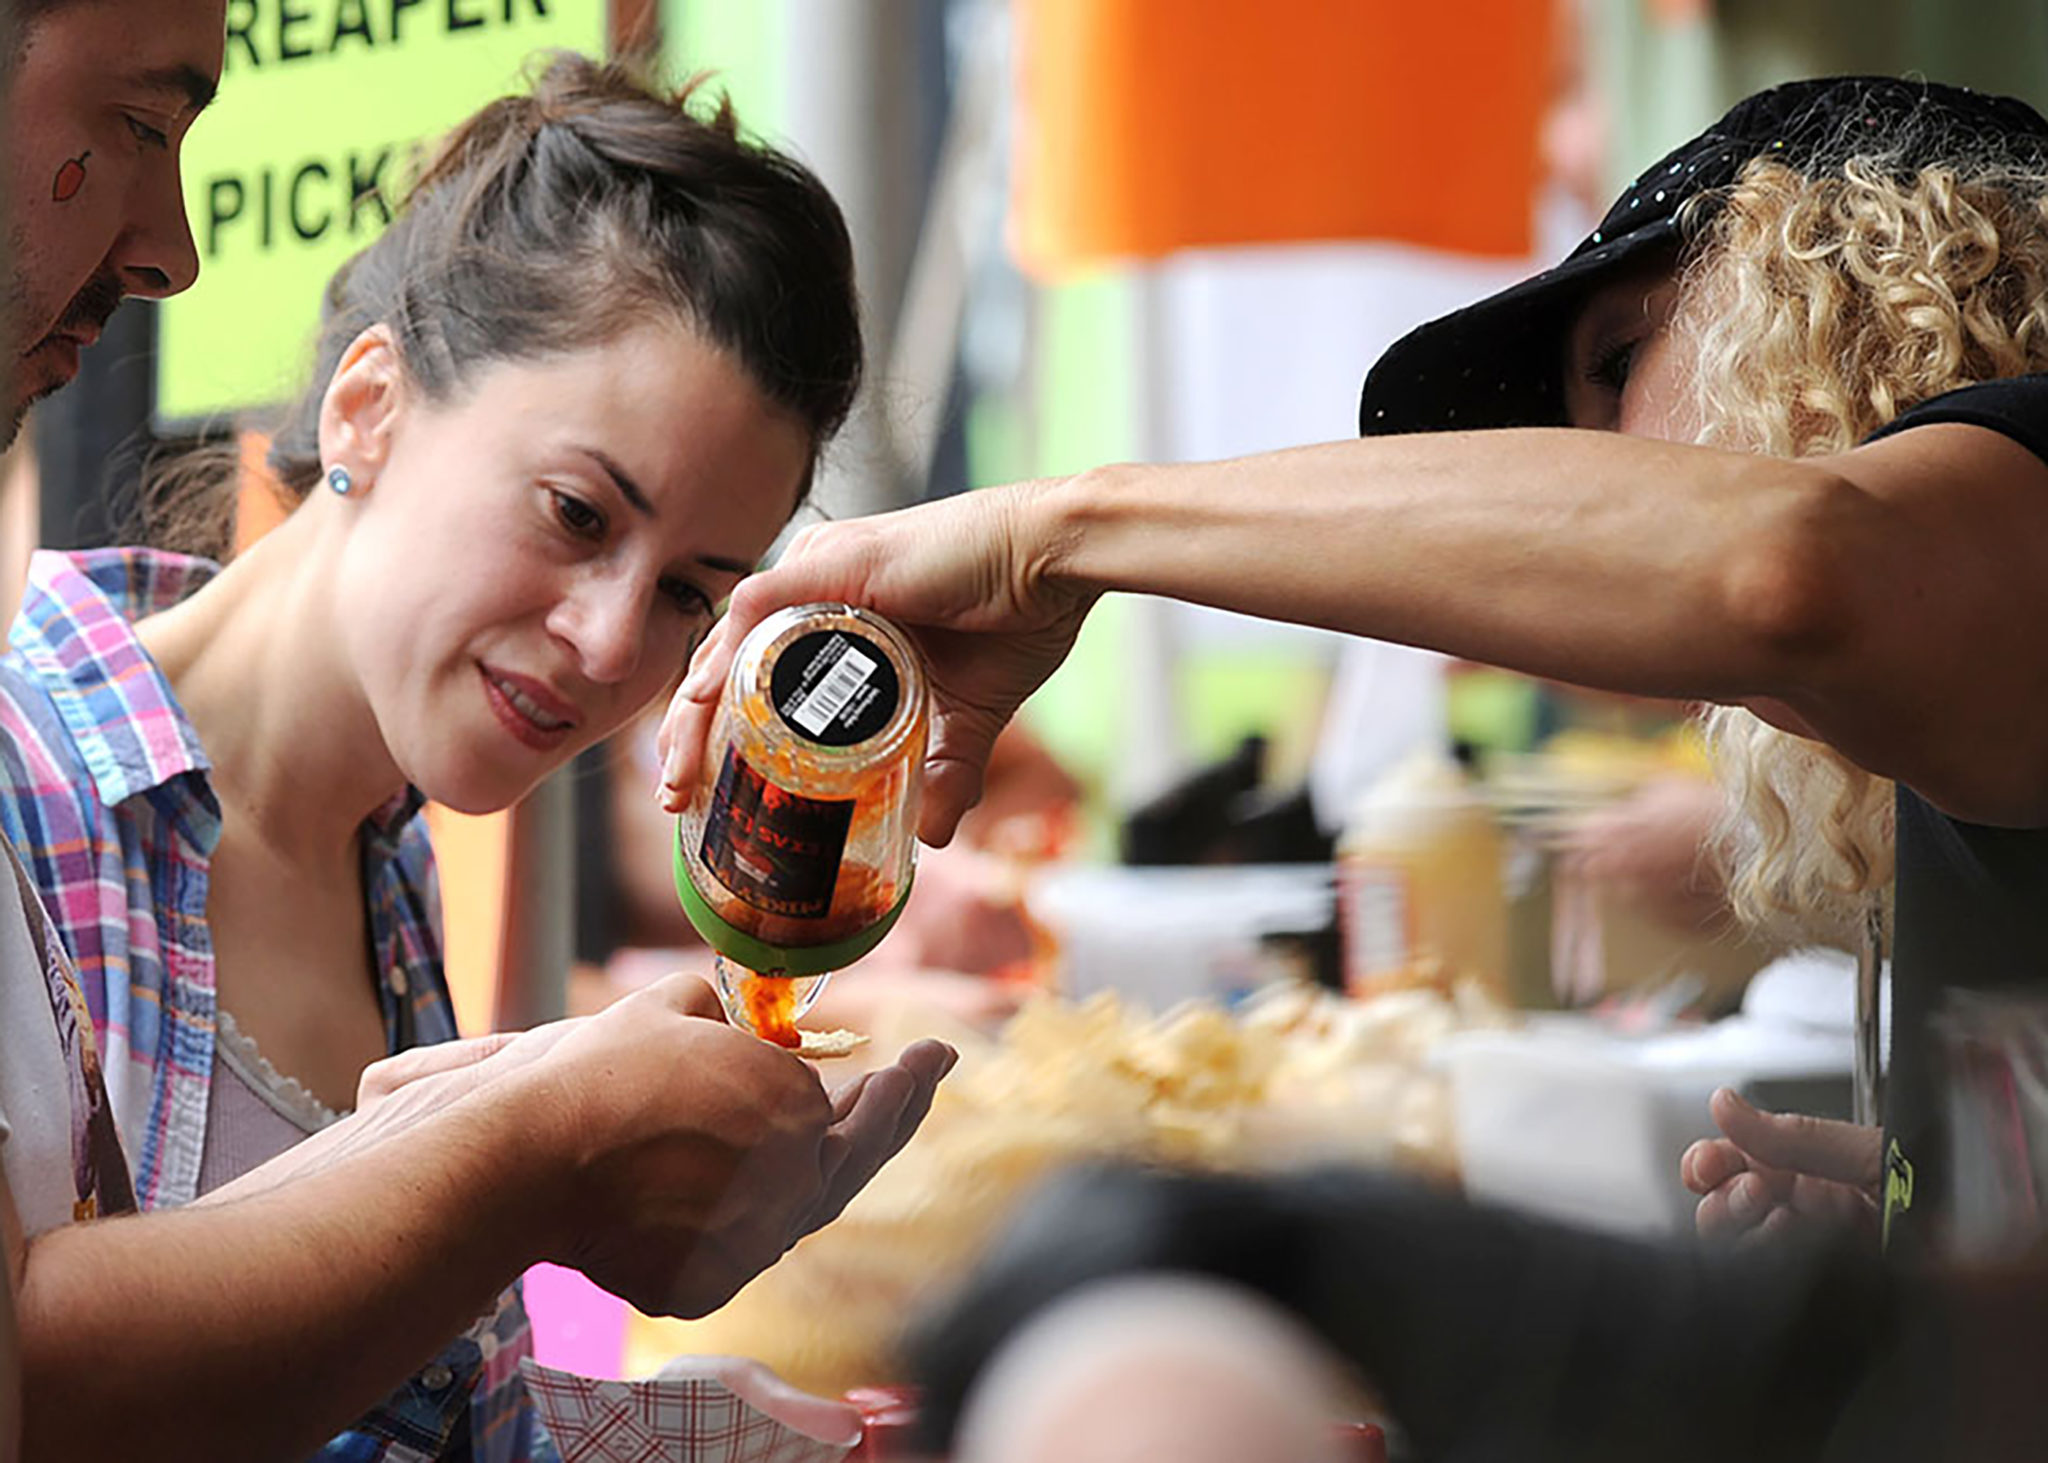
(1774, 438)
(556, 411)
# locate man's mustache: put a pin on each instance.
(90, 307)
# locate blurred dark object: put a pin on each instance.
(1183, 822)
(602, 916)
(1313, 957)
(1488, 1335)
(1219, 814)
(93, 439)
(1273, 828)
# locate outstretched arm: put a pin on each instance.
(1882, 600)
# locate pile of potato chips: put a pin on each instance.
(1293, 1076)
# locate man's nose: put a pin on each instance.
(157, 256)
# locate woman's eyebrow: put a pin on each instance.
(621, 479)
(630, 491)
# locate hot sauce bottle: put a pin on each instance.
(796, 852)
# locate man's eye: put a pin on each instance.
(146, 134)
(578, 516)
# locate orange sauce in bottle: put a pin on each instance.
(799, 842)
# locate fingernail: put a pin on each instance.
(952, 1061)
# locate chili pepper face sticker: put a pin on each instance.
(70, 178)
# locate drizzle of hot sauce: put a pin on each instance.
(771, 1008)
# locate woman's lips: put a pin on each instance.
(527, 709)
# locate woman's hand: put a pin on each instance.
(969, 579)
(1781, 1174)
(684, 1157)
(667, 1156)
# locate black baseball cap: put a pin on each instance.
(1500, 363)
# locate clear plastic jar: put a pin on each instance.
(797, 849)
(1419, 880)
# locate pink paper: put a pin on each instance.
(576, 1326)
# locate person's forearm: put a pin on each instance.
(1608, 561)
(259, 1327)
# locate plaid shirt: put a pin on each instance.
(107, 799)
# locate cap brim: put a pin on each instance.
(1500, 362)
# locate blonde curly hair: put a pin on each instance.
(1817, 309)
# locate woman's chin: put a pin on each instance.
(474, 791)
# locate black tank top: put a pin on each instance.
(1972, 911)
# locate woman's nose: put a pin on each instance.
(606, 624)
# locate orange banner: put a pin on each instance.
(1153, 125)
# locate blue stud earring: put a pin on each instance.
(339, 480)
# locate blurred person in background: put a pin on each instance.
(663, 1154)
(1773, 438)
(1484, 1336)
(1153, 1366)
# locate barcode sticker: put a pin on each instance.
(815, 712)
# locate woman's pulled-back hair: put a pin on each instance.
(553, 221)
(1819, 309)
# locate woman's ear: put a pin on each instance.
(360, 413)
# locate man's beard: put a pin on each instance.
(17, 413)
(14, 404)
(91, 306)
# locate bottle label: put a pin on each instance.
(774, 849)
(1373, 906)
(834, 688)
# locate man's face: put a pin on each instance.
(102, 94)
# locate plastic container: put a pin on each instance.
(799, 844)
(1419, 880)
(1159, 936)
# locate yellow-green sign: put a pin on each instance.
(323, 108)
